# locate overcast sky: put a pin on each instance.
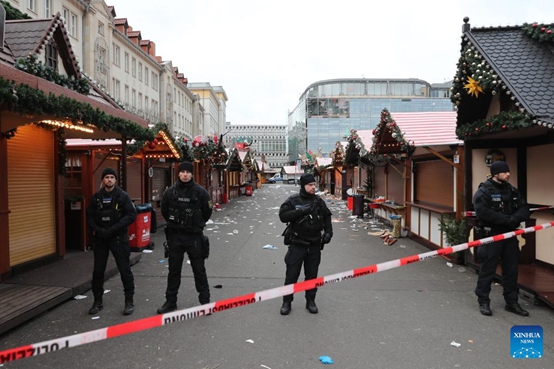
(266, 53)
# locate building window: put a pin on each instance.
(51, 56)
(126, 95)
(134, 67)
(101, 28)
(31, 5)
(154, 80)
(140, 71)
(65, 14)
(73, 25)
(126, 62)
(116, 54)
(47, 9)
(133, 98)
(117, 90)
(140, 101)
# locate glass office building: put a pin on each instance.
(328, 110)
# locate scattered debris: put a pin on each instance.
(455, 344)
(95, 317)
(269, 247)
(449, 264)
(462, 270)
(218, 286)
(147, 251)
(80, 297)
(249, 341)
(161, 261)
(326, 360)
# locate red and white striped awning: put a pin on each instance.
(428, 128)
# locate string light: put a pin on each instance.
(68, 125)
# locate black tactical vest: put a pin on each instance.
(185, 210)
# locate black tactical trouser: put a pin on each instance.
(178, 244)
(507, 252)
(298, 254)
(121, 253)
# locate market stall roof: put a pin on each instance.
(92, 116)
(234, 164)
(323, 162)
(246, 158)
(508, 66)
(428, 128)
(292, 169)
(401, 133)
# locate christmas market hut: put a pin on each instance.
(210, 159)
(37, 117)
(336, 174)
(503, 90)
(233, 173)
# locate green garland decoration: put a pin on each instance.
(24, 99)
(388, 123)
(539, 32)
(13, 13)
(505, 121)
(471, 64)
(31, 65)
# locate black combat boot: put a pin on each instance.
(485, 309)
(129, 306)
(310, 305)
(167, 307)
(285, 308)
(96, 306)
(515, 308)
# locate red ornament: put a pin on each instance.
(534, 25)
(152, 145)
(504, 126)
(488, 124)
(549, 31)
(155, 141)
(543, 29)
(476, 129)
(185, 140)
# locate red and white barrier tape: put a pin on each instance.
(472, 213)
(234, 302)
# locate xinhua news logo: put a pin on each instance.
(526, 342)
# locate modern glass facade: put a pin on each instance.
(328, 110)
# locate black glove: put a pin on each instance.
(102, 233)
(326, 238)
(303, 210)
(513, 223)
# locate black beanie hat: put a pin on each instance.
(186, 165)
(107, 171)
(499, 167)
(306, 178)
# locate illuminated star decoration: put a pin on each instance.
(473, 87)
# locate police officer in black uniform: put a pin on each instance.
(186, 207)
(109, 214)
(500, 208)
(307, 215)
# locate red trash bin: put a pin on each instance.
(223, 198)
(350, 203)
(248, 190)
(139, 230)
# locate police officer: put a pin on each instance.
(186, 207)
(307, 215)
(109, 214)
(500, 208)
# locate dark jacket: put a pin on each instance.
(196, 198)
(306, 226)
(500, 206)
(123, 210)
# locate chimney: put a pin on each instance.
(152, 49)
(145, 46)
